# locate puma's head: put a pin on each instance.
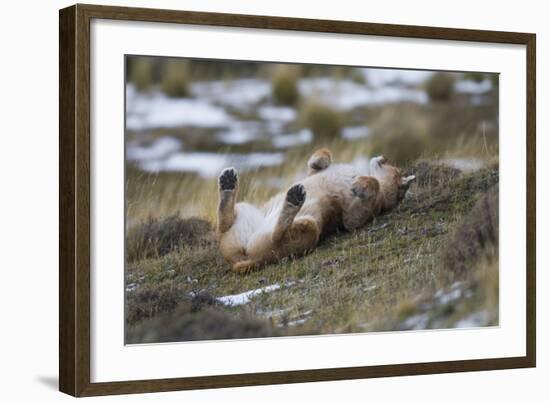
(404, 186)
(394, 185)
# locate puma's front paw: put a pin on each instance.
(379, 160)
(296, 195)
(228, 179)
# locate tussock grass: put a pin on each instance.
(141, 73)
(284, 84)
(440, 86)
(324, 121)
(175, 78)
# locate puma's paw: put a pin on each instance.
(244, 266)
(296, 195)
(320, 160)
(228, 179)
(379, 160)
(364, 187)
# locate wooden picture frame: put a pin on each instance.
(75, 207)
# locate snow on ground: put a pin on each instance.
(352, 133)
(478, 319)
(277, 113)
(156, 110)
(209, 165)
(240, 132)
(240, 93)
(159, 149)
(289, 140)
(472, 87)
(245, 297)
(379, 77)
(346, 95)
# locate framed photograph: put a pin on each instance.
(250, 200)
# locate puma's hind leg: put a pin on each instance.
(320, 160)
(302, 236)
(228, 188)
(267, 247)
(299, 238)
(364, 203)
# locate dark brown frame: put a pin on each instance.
(74, 199)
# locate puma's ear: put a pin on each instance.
(408, 180)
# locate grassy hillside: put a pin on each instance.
(398, 273)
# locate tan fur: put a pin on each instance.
(291, 223)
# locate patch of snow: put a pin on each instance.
(457, 284)
(346, 95)
(239, 93)
(379, 77)
(352, 133)
(240, 132)
(245, 297)
(131, 287)
(277, 113)
(471, 87)
(474, 320)
(286, 141)
(156, 110)
(370, 288)
(417, 322)
(159, 149)
(209, 165)
(450, 296)
(296, 322)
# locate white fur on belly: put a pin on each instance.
(247, 221)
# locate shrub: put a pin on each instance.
(432, 175)
(475, 239)
(475, 76)
(440, 86)
(175, 78)
(208, 323)
(325, 122)
(159, 237)
(141, 72)
(284, 85)
(150, 299)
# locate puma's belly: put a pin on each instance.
(335, 181)
(326, 194)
